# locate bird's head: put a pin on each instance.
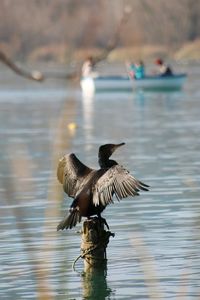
(105, 151)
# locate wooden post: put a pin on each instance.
(94, 243)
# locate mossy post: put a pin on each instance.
(94, 243)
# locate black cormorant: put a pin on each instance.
(91, 189)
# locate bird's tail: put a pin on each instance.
(70, 220)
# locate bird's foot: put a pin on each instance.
(104, 222)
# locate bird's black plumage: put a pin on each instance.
(91, 189)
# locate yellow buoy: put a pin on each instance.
(72, 126)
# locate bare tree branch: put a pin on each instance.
(34, 75)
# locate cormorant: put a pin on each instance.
(91, 189)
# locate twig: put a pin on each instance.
(34, 75)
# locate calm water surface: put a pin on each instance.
(155, 252)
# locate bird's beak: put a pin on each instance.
(118, 145)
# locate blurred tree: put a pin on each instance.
(194, 20)
(28, 25)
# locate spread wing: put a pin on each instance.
(117, 180)
(72, 173)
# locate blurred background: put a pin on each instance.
(63, 30)
(155, 252)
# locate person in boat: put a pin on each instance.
(163, 69)
(136, 70)
(88, 68)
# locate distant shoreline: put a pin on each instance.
(189, 51)
(62, 54)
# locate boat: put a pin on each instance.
(160, 83)
(125, 83)
(105, 84)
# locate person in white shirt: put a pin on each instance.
(163, 70)
(88, 67)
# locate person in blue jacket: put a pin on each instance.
(136, 70)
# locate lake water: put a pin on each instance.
(155, 251)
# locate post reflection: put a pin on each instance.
(95, 285)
